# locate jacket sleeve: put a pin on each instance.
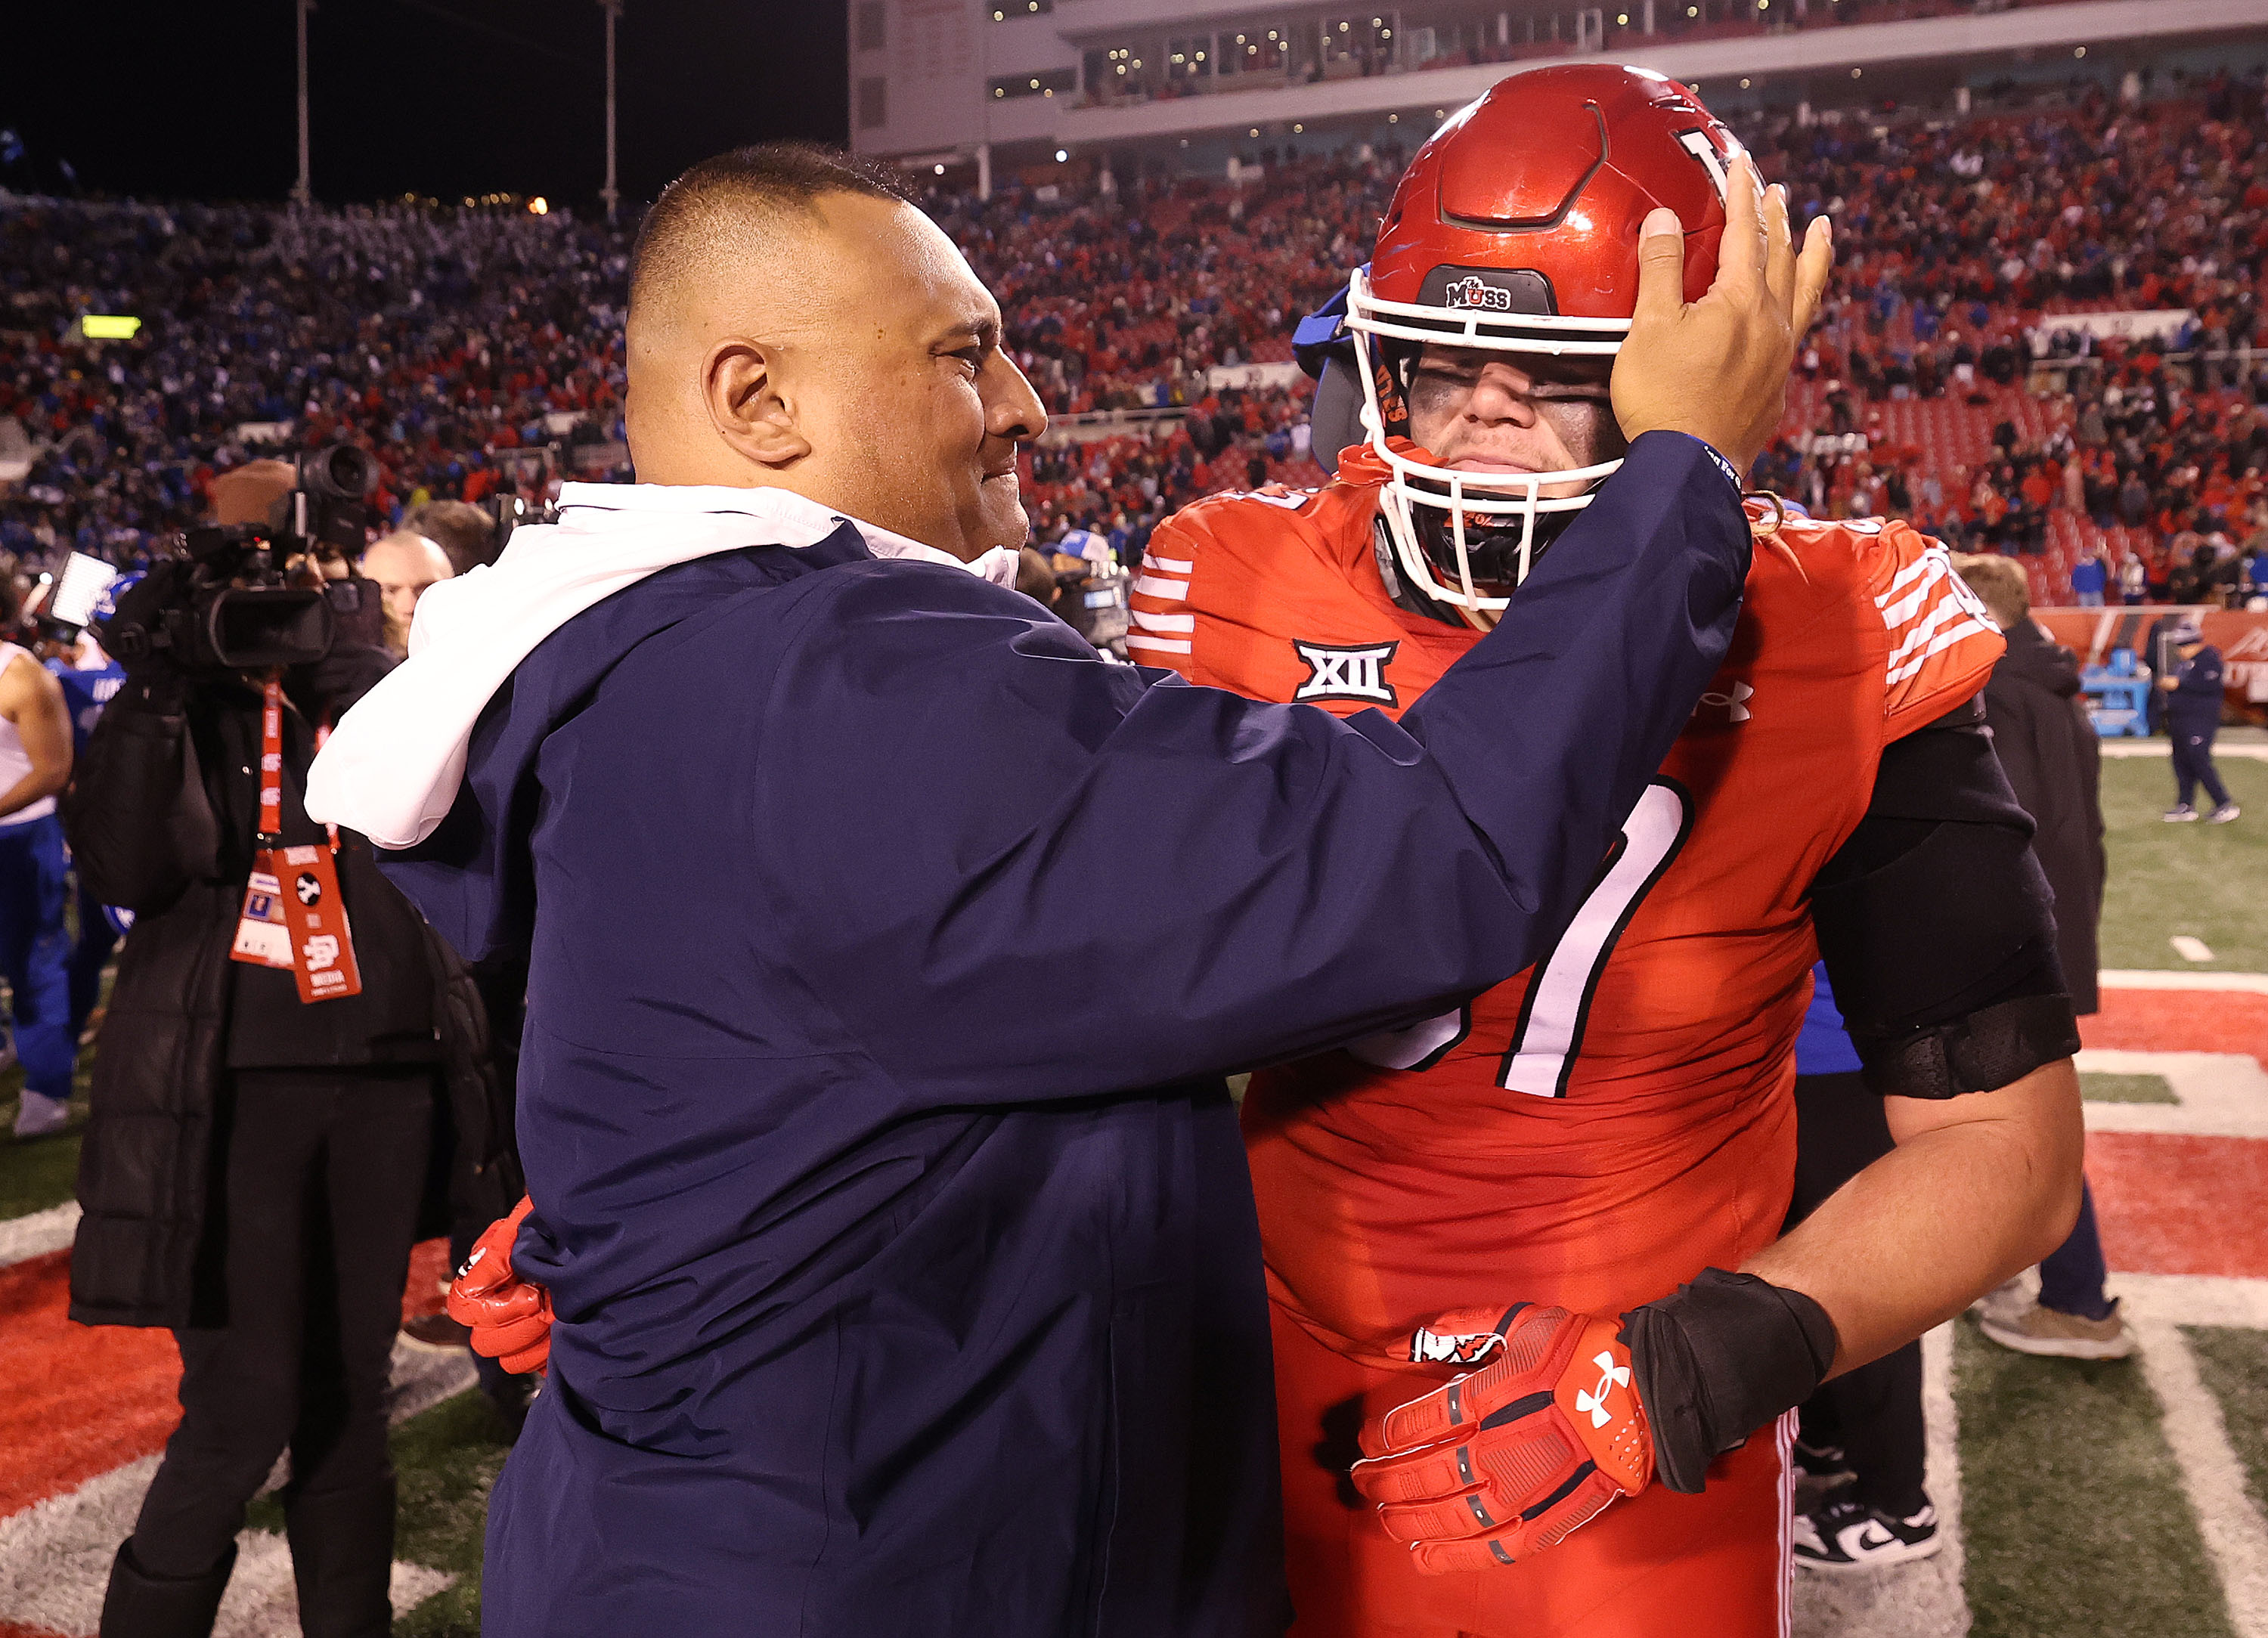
(140, 828)
(1043, 875)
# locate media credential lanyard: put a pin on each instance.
(293, 917)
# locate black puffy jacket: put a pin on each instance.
(144, 816)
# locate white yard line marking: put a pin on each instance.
(2146, 978)
(22, 1239)
(2236, 1536)
(2192, 1300)
(2222, 1094)
(2119, 748)
(2189, 949)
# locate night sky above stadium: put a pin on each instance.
(443, 98)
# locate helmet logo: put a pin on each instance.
(1698, 144)
(1473, 291)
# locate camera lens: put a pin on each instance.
(340, 472)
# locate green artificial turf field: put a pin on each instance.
(2208, 881)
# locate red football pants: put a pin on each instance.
(1659, 1565)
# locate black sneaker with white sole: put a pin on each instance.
(1845, 1534)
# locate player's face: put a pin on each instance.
(1480, 410)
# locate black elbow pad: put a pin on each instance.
(1943, 962)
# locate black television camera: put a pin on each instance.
(224, 601)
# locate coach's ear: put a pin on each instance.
(748, 404)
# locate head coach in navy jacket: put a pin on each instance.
(887, 945)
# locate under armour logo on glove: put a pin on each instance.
(1506, 1460)
(1594, 1402)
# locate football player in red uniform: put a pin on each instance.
(1523, 1257)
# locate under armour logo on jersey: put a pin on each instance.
(1452, 1347)
(1734, 702)
(1611, 1376)
(1473, 291)
(1346, 673)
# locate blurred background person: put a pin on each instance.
(36, 764)
(2193, 686)
(2054, 763)
(404, 564)
(465, 532)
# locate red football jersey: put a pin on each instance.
(1602, 1126)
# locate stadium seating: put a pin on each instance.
(459, 344)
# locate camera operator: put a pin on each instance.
(265, 1107)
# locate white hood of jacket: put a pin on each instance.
(392, 765)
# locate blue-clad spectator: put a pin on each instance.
(2087, 579)
(2192, 687)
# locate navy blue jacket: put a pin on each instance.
(887, 952)
(2194, 701)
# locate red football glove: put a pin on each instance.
(510, 1317)
(1504, 1461)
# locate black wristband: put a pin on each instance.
(1716, 1360)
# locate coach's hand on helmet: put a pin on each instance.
(510, 1317)
(1718, 368)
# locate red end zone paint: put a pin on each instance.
(2180, 1020)
(75, 1400)
(2180, 1205)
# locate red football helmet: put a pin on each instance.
(1516, 229)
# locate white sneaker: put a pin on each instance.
(2222, 814)
(38, 1116)
(2180, 813)
(1847, 1535)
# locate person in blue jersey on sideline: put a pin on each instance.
(888, 1299)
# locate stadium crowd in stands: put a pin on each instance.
(478, 348)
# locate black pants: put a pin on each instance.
(1875, 1412)
(2193, 761)
(324, 1170)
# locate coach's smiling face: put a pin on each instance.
(848, 353)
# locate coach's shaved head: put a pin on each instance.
(794, 322)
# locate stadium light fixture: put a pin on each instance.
(940, 170)
(1621, 19)
(1744, 85)
(539, 206)
(2078, 51)
(1393, 119)
(108, 326)
(1299, 130)
(1061, 154)
(1255, 131)
(1856, 73)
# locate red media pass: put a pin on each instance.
(319, 950)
